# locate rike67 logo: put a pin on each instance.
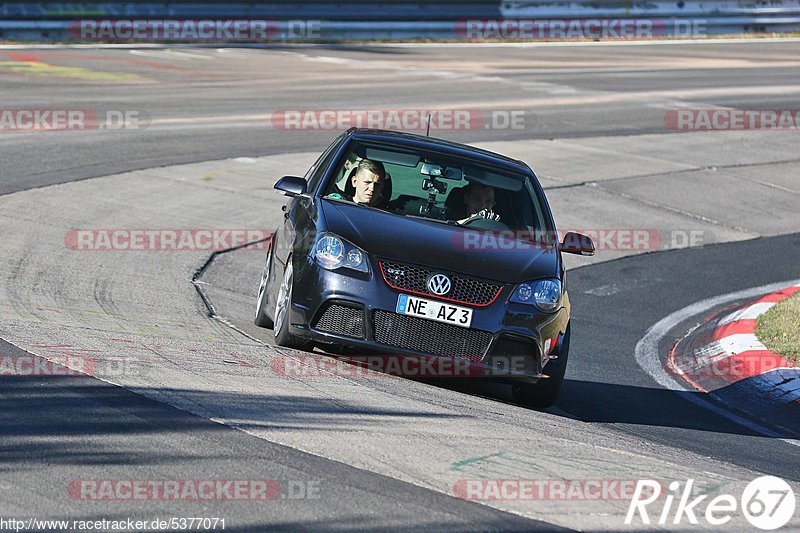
(768, 503)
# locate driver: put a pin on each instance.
(479, 201)
(367, 182)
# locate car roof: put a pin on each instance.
(441, 145)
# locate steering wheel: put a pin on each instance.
(485, 224)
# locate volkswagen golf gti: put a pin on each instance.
(394, 243)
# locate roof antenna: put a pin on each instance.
(428, 131)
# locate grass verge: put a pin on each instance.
(779, 328)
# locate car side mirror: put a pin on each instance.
(292, 186)
(577, 243)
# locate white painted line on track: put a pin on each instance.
(172, 54)
(647, 355)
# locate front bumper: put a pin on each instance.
(357, 310)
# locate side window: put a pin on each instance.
(319, 167)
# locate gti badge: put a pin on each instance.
(397, 273)
(439, 284)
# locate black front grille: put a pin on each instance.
(521, 355)
(341, 320)
(415, 279)
(429, 337)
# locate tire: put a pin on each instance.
(283, 304)
(544, 393)
(261, 319)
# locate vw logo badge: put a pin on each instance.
(439, 284)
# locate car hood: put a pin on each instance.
(447, 247)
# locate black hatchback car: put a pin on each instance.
(400, 244)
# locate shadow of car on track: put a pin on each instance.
(608, 403)
(625, 404)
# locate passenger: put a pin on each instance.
(479, 201)
(340, 185)
(351, 162)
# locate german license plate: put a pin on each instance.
(433, 310)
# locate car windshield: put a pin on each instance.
(437, 187)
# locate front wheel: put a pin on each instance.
(283, 306)
(544, 393)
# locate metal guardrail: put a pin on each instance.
(647, 8)
(374, 20)
(343, 10)
(395, 10)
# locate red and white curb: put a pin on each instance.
(724, 352)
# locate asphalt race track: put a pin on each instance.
(179, 395)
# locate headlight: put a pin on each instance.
(544, 294)
(332, 252)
